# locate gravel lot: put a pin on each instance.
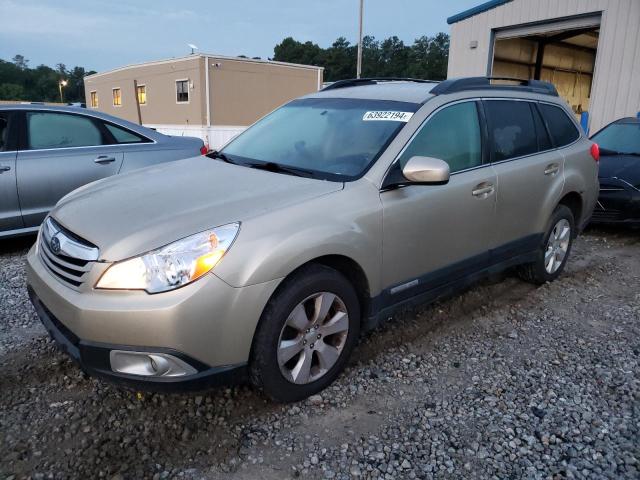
(504, 381)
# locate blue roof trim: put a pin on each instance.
(476, 10)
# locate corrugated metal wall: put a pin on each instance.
(616, 82)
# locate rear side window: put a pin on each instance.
(563, 130)
(122, 135)
(4, 132)
(511, 129)
(61, 130)
(544, 142)
(452, 135)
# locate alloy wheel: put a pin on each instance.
(557, 246)
(313, 337)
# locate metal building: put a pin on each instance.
(207, 96)
(590, 49)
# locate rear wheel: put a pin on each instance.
(306, 334)
(554, 251)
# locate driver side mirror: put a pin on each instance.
(426, 171)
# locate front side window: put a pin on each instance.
(94, 100)
(182, 91)
(563, 130)
(452, 135)
(620, 138)
(117, 97)
(511, 129)
(333, 138)
(142, 94)
(61, 130)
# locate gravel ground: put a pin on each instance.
(504, 381)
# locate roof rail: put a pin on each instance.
(352, 82)
(481, 83)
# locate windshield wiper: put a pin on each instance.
(221, 156)
(278, 168)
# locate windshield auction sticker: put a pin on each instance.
(387, 116)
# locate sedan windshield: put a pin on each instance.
(620, 138)
(327, 138)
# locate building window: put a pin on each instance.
(94, 99)
(182, 91)
(142, 94)
(117, 97)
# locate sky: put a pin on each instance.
(104, 34)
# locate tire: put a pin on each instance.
(301, 298)
(538, 272)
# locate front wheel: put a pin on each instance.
(553, 253)
(306, 334)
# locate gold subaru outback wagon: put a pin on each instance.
(264, 261)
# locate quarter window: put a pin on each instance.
(61, 130)
(142, 94)
(452, 135)
(544, 142)
(511, 129)
(563, 130)
(182, 91)
(117, 97)
(124, 136)
(94, 100)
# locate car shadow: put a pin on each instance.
(17, 244)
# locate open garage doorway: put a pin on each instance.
(561, 52)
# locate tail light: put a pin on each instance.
(204, 150)
(595, 152)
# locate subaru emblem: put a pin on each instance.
(55, 245)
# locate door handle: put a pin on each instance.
(4, 168)
(552, 169)
(102, 159)
(483, 190)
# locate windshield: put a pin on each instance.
(329, 138)
(620, 137)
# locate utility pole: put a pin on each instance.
(359, 64)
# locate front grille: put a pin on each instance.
(68, 269)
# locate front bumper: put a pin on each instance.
(208, 324)
(618, 203)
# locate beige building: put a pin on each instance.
(208, 96)
(590, 50)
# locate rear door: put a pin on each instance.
(530, 175)
(62, 151)
(434, 234)
(10, 216)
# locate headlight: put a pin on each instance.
(172, 266)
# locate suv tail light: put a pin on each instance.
(595, 152)
(204, 150)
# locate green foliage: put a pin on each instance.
(20, 82)
(426, 58)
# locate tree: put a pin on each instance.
(426, 58)
(20, 82)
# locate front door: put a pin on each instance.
(63, 152)
(434, 234)
(10, 217)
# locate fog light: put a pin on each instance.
(149, 364)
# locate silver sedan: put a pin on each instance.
(46, 152)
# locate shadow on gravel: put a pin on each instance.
(13, 245)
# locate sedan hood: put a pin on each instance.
(127, 215)
(624, 167)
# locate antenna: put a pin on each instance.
(192, 47)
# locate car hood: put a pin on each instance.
(624, 167)
(127, 215)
